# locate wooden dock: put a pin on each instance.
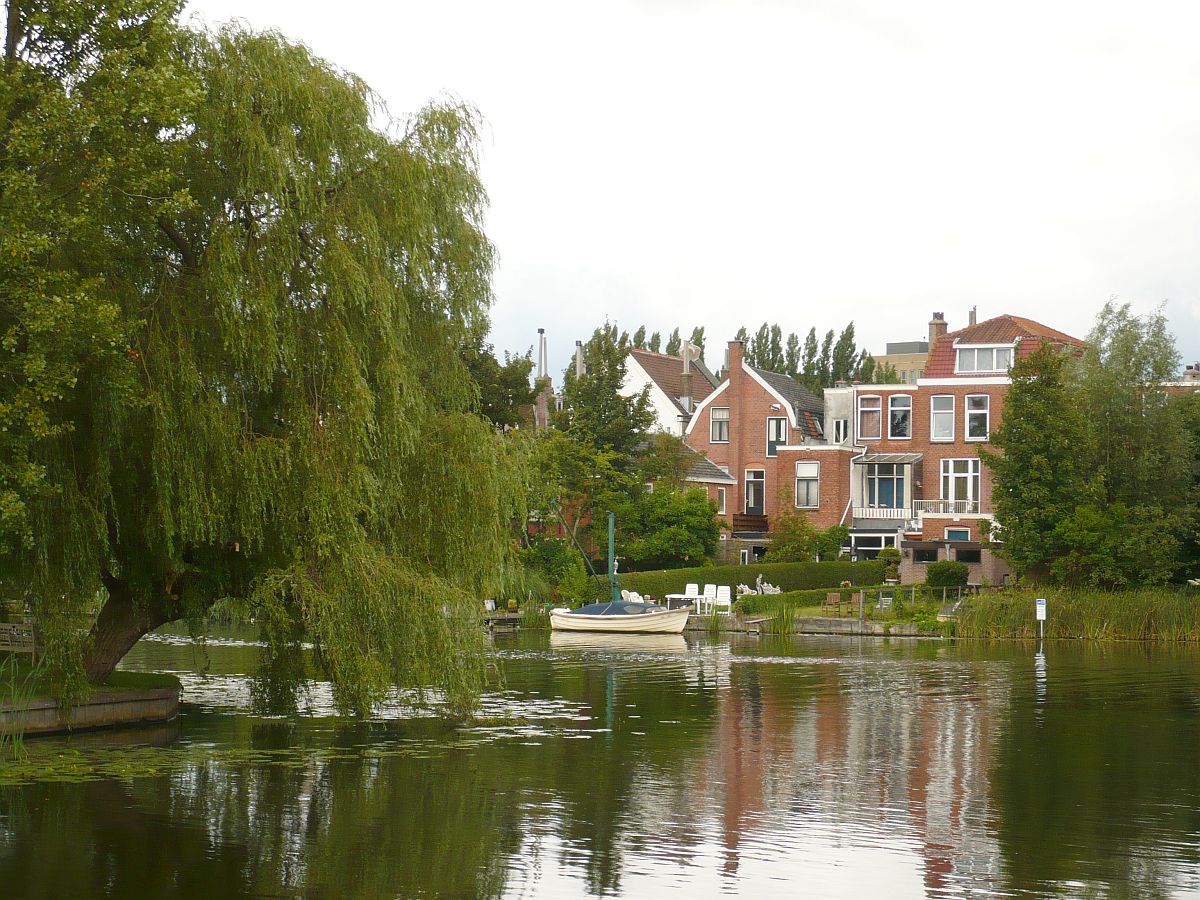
(502, 621)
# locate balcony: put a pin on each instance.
(749, 523)
(946, 507)
(882, 512)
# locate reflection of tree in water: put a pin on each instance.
(1091, 788)
(324, 819)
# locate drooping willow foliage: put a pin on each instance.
(290, 423)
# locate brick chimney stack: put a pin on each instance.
(937, 327)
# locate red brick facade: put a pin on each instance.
(890, 466)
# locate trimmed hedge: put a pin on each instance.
(946, 573)
(793, 576)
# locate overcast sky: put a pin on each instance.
(704, 162)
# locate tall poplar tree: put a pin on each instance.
(278, 413)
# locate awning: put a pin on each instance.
(898, 458)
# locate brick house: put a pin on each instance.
(896, 463)
(749, 427)
(676, 383)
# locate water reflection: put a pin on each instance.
(840, 767)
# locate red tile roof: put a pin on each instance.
(1001, 330)
(667, 372)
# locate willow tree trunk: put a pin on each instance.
(121, 624)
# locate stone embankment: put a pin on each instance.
(811, 625)
(101, 709)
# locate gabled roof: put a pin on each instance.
(667, 372)
(1005, 329)
(809, 408)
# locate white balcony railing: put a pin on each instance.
(946, 507)
(878, 512)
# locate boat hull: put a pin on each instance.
(667, 622)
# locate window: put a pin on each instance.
(984, 359)
(744, 556)
(941, 417)
(925, 555)
(808, 485)
(978, 414)
(958, 534)
(719, 421)
(777, 433)
(869, 418)
(841, 430)
(756, 492)
(885, 486)
(963, 555)
(720, 501)
(960, 482)
(899, 416)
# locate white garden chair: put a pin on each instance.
(692, 590)
(704, 603)
(723, 603)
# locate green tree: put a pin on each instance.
(664, 528)
(825, 361)
(655, 342)
(291, 426)
(639, 338)
(503, 389)
(697, 339)
(1041, 471)
(594, 410)
(793, 536)
(844, 356)
(810, 360)
(791, 355)
(674, 342)
(664, 460)
(571, 481)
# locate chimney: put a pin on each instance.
(580, 369)
(685, 380)
(541, 370)
(733, 356)
(971, 316)
(937, 327)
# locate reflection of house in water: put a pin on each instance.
(863, 752)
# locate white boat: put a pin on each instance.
(620, 617)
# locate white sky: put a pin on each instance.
(806, 162)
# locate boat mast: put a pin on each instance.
(615, 589)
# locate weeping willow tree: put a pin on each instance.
(285, 422)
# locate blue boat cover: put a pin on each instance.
(619, 608)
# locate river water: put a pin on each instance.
(641, 766)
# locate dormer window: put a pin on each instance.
(983, 360)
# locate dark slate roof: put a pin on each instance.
(809, 408)
(667, 372)
(704, 469)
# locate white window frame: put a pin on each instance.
(933, 414)
(946, 534)
(712, 439)
(968, 412)
(841, 430)
(974, 476)
(902, 437)
(772, 453)
(746, 492)
(973, 350)
(720, 501)
(816, 481)
(878, 436)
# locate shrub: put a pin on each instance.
(560, 564)
(793, 576)
(946, 573)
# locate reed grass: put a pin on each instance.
(1168, 613)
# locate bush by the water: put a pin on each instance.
(559, 564)
(1154, 613)
(788, 576)
(946, 573)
